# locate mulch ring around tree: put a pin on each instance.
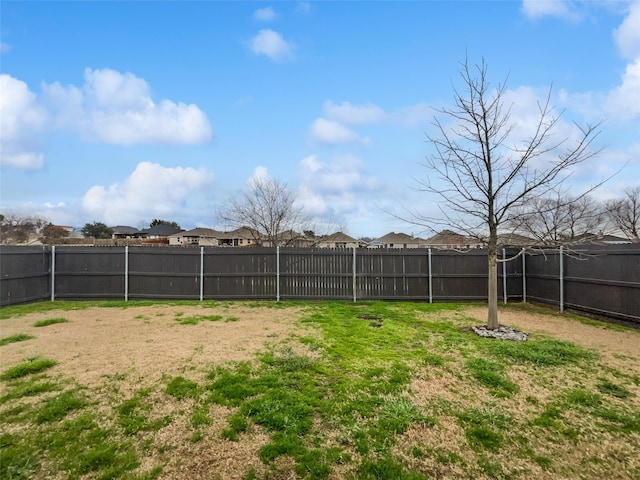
(501, 333)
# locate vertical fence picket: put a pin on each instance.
(53, 273)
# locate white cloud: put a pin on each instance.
(151, 191)
(273, 45)
(543, 8)
(117, 108)
(623, 103)
(333, 133)
(266, 14)
(353, 114)
(260, 174)
(4, 47)
(339, 187)
(21, 120)
(627, 35)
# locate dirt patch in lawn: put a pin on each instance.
(146, 342)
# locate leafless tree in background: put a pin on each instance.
(268, 208)
(15, 228)
(483, 182)
(625, 213)
(560, 220)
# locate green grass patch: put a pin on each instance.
(133, 414)
(29, 367)
(29, 387)
(180, 387)
(196, 319)
(50, 321)
(58, 407)
(18, 337)
(543, 353)
(609, 388)
(491, 375)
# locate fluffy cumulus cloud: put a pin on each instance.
(335, 188)
(623, 102)
(330, 132)
(627, 35)
(151, 191)
(271, 44)
(266, 14)
(333, 128)
(117, 108)
(109, 107)
(22, 119)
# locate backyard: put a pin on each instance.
(337, 390)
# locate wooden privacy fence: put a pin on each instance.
(603, 281)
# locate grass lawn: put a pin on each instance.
(252, 390)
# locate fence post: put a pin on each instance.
(430, 279)
(201, 273)
(126, 273)
(524, 276)
(53, 273)
(561, 279)
(355, 282)
(278, 273)
(504, 275)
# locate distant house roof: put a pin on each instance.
(600, 238)
(242, 232)
(396, 238)
(447, 238)
(123, 230)
(161, 230)
(198, 232)
(338, 237)
(515, 240)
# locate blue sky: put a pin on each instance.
(123, 112)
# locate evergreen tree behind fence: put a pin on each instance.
(598, 280)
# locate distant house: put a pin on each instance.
(337, 240)
(162, 231)
(397, 240)
(197, 236)
(291, 238)
(601, 239)
(515, 240)
(123, 231)
(447, 239)
(240, 237)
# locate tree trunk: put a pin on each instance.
(492, 320)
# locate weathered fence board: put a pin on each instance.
(598, 280)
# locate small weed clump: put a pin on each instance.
(18, 337)
(50, 321)
(196, 319)
(29, 367)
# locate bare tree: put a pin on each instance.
(625, 213)
(267, 207)
(16, 228)
(560, 220)
(483, 182)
